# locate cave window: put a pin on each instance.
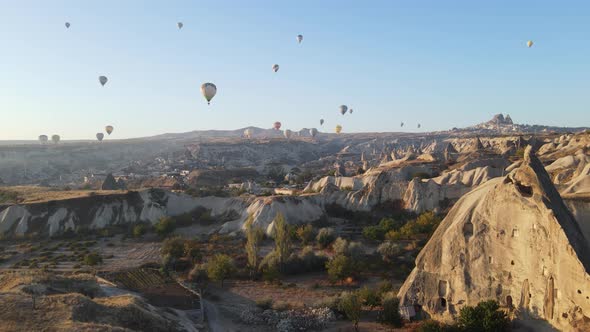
(509, 301)
(525, 191)
(490, 259)
(443, 302)
(468, 229)
(515, 232)
(564, 315)
(511, 262)
(579, 291)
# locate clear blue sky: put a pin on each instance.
(442, 63)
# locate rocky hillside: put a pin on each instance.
(512, 240)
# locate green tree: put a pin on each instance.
(369, 297)
(339, 268)
(165, 226)
(254, 236)
(389, 314)
(485, 317)
(350, 304)
(220, 267)
(325, 237)
(139, 230)
(173, 247)
(282, 240)
(306, 234)
(92, 259)
(192, 251)
(389, 250)
(374, 233)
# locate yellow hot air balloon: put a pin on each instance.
(529, 43)
(338, 129)
(109, 129)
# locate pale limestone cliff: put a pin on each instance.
(511, 239)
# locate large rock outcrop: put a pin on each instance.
(99, 211)
(513, 240)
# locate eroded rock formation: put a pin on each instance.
(513, 240)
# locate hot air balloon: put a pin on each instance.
(321, 122)
(275, 67)
(103, 80)
(109, 129)
(179, 25)
(350, 111)
(43, 138)
(402, 124)
(343, 109)
(529, 43)
(248, 133)
(67, 25)
(338, 129)
(313, 132)
(55, 139)
(419, 126)
(288, 133)
(208, 90)
(299, 38)
(99, 136)
(276, 125)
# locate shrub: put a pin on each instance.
(325, 237)
(426, 223)
(165, 226)
(192, 252)
(484, 317)
(374, 233)
(270, 274)
(434, 326)
(339, 268)
(311, 261)
(351, 249)
(139, 230)
(271, 260)
(306, 234)
(264, 304)
(355, 250)
(92, 259)
(389, 314)
(377, 232)
(369, 297)
(389, 250)
(173, 247)
(340, 246)
(220, 267)
(197, 274)
(384, 287)
(350, 305)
